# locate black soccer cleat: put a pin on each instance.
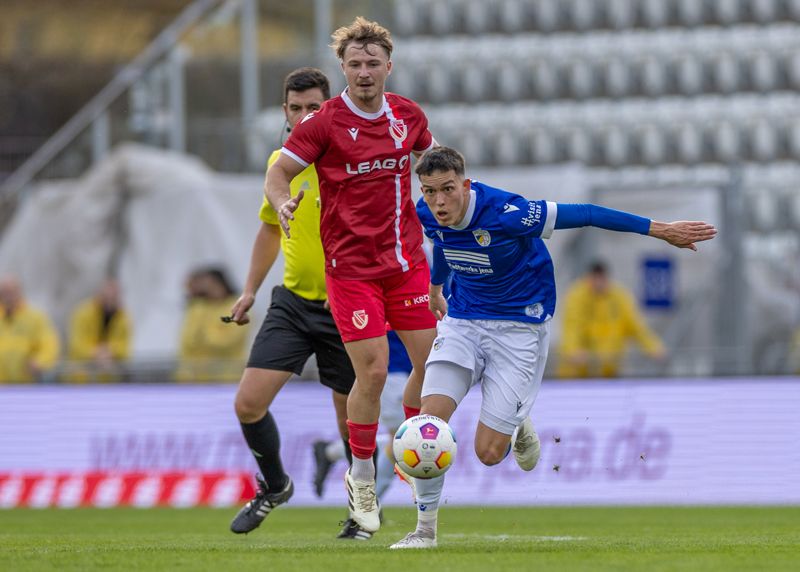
(253, 513)
(351, 531)
(323, 466)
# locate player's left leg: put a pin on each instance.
(448, 385)
(517, 353)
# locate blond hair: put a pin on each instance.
(361, 31)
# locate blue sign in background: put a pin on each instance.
(658, 277)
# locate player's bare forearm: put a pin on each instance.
(278, 192)
(683, 233)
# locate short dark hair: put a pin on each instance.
(361, 31)
(303, 79)
(598, 267)
(440, 159)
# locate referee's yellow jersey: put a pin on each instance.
(304, 270)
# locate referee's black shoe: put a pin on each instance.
(352, 531)
(323, 466)
(253, 513)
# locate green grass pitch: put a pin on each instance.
(470, 538)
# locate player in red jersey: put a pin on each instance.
(376, 272)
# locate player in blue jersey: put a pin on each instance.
(494, 328)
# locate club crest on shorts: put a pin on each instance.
(437, 343)
(398, 130)
(482, 236)
(360, 319)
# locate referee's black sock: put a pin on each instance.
(347, 452)
(265, 443)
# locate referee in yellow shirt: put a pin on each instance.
(298, 322)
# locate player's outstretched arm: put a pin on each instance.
(683, 233)
(277, 190)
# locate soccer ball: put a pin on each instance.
(424, 446)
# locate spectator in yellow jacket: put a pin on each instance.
(600, 317)
(210, 350)
(29, 343)
(99, 336)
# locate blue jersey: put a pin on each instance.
(501, 269)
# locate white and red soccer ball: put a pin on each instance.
(424, 446)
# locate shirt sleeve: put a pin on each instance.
(440, 271)
(578, 215)
(308, 140)
(521, 217)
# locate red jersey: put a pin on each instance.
(369, 225)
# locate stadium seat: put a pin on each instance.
(583, 14)
(652, 145)
(727, 12)
(764, 144)
(793, 9)
(725, 70)
(580, 78)
(476, 82)
(726, 142)
(620, 14)
(653, 76)
(547, 15)
(478, 16)
(544, 147)
(511, 84)
(690, 12)
(406, 17)
(764, 11)
(655, 13)
(617, 77)
(793, 140)
(509, 147)
(793, 71)
(544, 80)
(689, 143)
(615, 146)
(513, 16)
(578, 145)
(439, 82)
(763, 71)
(473, 147)
(442, 18)
(689, 71)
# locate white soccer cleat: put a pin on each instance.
(363, 503)
(414, 540)
(526, 445)
(408, 479)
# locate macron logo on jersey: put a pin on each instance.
(353, 132)
(469, 262)
(307, 117)
(507, 208)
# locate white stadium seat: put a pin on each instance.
(763, 71)
(655, 13)
(690, 12)
(618, 80)
(726, 72)
(764, 142)
(764, 10)
(652, 145)
(512, 15)
(620, 14)
(689, 74)
(653, 76)
(689, 143)
(583, 14)
(442, 18)
(793, 137)
(546, 14)
(726, 142)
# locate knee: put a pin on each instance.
(248, 409)
(491, 454)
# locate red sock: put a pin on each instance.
(410, 411)
(362, 439)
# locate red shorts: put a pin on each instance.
(362, 308)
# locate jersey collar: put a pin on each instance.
(468, 215)
(371, 116)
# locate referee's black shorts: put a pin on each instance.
(294, 329)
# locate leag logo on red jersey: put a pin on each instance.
(368, 166)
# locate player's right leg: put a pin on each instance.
(257, 390)
(279, 350)
(369, 358)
